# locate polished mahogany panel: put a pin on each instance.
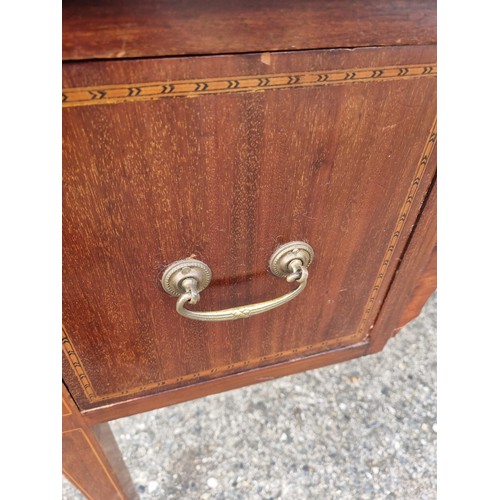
(114, 29)
(328, 155)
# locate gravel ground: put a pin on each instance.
(364, 429)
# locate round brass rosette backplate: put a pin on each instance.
(283, 255)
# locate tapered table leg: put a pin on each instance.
(92, 460)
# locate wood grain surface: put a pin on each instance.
(154, 28)
(226, 178)
(416, 277)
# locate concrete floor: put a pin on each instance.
(364, 429)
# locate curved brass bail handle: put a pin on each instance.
(243, 311)
(189, 277)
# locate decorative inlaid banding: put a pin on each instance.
(223, 370)
(398, 228)
(66, 409)
(133, 92)
(77, 366)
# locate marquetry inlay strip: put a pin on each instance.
(76, 365)
(398, 228)
(133, 92)
(67, 410)
(224, 370)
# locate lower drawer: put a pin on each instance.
(223, 159)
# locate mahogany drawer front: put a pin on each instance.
(223, 158)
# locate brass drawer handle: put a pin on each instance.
(187, 278)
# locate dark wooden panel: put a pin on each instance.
(415, 279)
(226, 178)
(426, 285)
(125, 28)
